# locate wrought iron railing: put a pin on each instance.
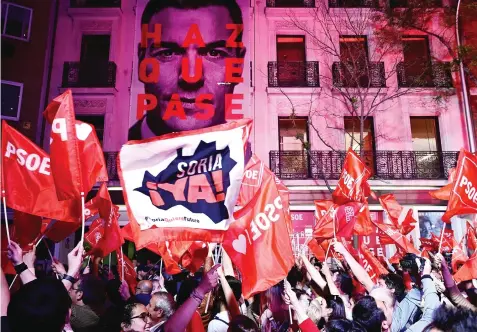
(436, 75)
(293, 74)
(95, 3)
(291, 3)
(355, 75)
(111, 165)
(353, 3)
(415, 3)
(388, 165)
(89, 75)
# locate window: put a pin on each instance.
(293, 157)
(291, 58)
(352, 127)
(354, 60)
(11, 100)
(16, 21)
(417, 60)
(97, 121)
(94, 60)
(426, 146)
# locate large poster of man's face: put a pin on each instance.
(430, 222)
(192, 65)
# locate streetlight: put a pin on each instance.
(468, 115)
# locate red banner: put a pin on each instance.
(302, 222)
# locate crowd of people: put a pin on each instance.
(336, 295)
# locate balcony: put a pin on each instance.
(353, 3)
(437, 76)
(293, 74)
(345, 75)
(111, 165)
(386, 165)
(80, 75)
(415, 3)
(95, 3)
(291, 3)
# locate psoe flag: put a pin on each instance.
(185, 184)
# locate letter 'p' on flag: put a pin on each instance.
(184, 186)
(463, 197)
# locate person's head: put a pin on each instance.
(314, 311)
(142, 271)
(275, 302)
(134, 318)
(220, 303)
(204, 73)
(394, 283)
(385, 301)
(295, 277)
(342, 325)
(88, 290)
(367, 315)
(242, 323)
(303, 297)
(447, 319)
(144, 287)
(185, 290)
(156, 286)
(161, 307)
(333, 308)
(40, 305)
(344, 282)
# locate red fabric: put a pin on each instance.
(352, 185)
(317, 250)
(394, 211)
(261, 231)
(429, 244)
(95, 232)
(57, 231)
(371, 263)
(108, 213)
(7, 266)
(463, 198)
(27, 228)
(353, 219)
(396, 257)
(324, 222)
(471, 238)
(445, 192)
(195, 324)
(129, 274)
(389, 234)
(448, 241)
(459, 255)
(195, 256)
(32, 191)
(407, 280)
(408, 224)
(308, 326)
(468, 271)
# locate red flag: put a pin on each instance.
(468, 271)
(27, 228)
(7, 265)
(353, 218)
(409, 223)
(448, 241)
(471, 239)
(28, 181)
(326, 211)
(195, 256)
(429, 244)
(57, 230)
(396, 257)
(64, 151)
(459, 255)
(129, 274)
(351, 186)
(394, 211)
(463, 198)
(317, 249)
(262, 231)
(444, 192)
(371, 263)
(390, 233)
(95, 232)
(108, 213)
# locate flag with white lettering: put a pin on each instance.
(352, 185)
(326, 211)
(28, 180)
(259, 242)
(463, 198)
(371, 264)
(184, 186)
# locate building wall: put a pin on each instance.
(27, 62)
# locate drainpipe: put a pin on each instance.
(468, 115)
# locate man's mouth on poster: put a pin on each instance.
(191, 103)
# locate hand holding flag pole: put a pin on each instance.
(442, 236)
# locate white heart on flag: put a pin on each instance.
(83, 130)
(240, 245)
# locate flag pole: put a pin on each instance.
(109, 267)
(5, 215)
(122, 264)
(82, 216)
(160, 268)
(41, 238)
(16, 276)
(442, 236)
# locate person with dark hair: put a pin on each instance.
(451, 319)
(40, 305)
(88, 295)
(242, 323)
(295, 277)
(205, 82)
(276, 317)
(343, 325)
(395, 284)
(134, 318)
(334, 309)
(367, 315)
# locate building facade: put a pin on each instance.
(301, 82)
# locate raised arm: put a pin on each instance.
(329, 279)
(75, 259)
(15, 255)
(358, 271)
(232, 303)
(314, 273)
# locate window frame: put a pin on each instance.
(8, 4)
(296, 118)
(19, 102)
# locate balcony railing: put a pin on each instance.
(388, 165)
(95, 3)
(291, 3)
(347, 75)
(81, 75)
(293, 74)
(437, 76)
(353, 3)
(111, 165)
(415, 3)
